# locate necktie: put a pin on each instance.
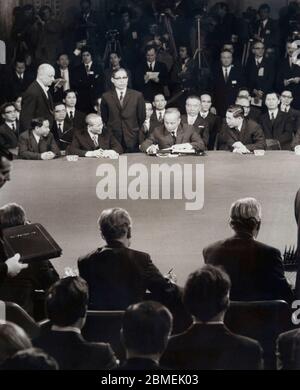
(173, 136)
(160, 117)
(13, 127)
(71, 115)
(59, 128)
(121, 98)
(95, 139)
(272, 119)
(226, 75)
(87, 68)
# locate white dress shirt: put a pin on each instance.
(275, 113)
(66, 76)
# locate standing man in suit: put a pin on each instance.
(277, 125)
(159, 104)
(88, 81)
(37, 100)
(63, 73)
(118, 276)
(38, 143)
(62, 130)
(148, 125)
(208, 344)
(18, 80)
(210, 119)
(94, 140)
(288, 76)
(228, 79)
(255, 269)
(193, 118)
(74, 117)
(123, 112)
(66, 306)
(146, 80)
(173, 134)
(9, 131)
(240, 135)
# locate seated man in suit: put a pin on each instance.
(240, 135)
(210, 119)
(173, 134)
(94, 140)
(159, 104)
(38, 143)
(117, 275)
(30, 359)
(208, 344)
(254, 112)
(193, 118)
(74, 117)
(286, 99)
(144, 349)
(9, 131)
(277, 125)
(66, 306)
(62, 130)
(147, 127)
(255, 269)
(288, 350)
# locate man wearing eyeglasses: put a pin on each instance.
(9, 131)
(123, 111)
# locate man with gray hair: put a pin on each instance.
(117, 275)
(37, 100)
(173, 134)
(255, 269)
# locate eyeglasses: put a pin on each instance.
(121, 78)
(287, 97)
(9, 112)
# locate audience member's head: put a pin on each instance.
(120, 79)
(291, 47)
(115, 225)
(40, 127)
(20, 66)
(206, 294)
(258, 49)
(63, 60)
(149, 109)
(245, 216)
(46, 75)
(87, 55)
(31, 359)
(159, 102)
(12, 339)
(184, 52)
(286, 97)
(94, 124)
(229, 47)
(193, 105)
(18, 103)
(264, 11)
(66, 302)
(146, 330)
(272, 101)
(151, 54)
(60, 112)
(85, 6)
(244, 92)
(12, 215)
(70, 98)
(245, 103)
(172, 119)
(235, 116)
(8, 112)
(226, 58)
(45, 13)
(206, 102)
(115, 60)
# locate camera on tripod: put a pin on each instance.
(112, 35)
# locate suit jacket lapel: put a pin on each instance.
(49, 101)
(115, 97)
(33, 143)
(126, 98)
(180, 134)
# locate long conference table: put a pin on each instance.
(62, 196)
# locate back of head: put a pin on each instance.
(245, 215)
(206, 293)
(114, 224)
(31, 359)
(67, 301)
(12, 339)
(12, 215)
(146, 328)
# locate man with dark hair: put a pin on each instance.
(66, 306)
(252, 113)
(18, 79)
(117, 275)
(240, 135)
(94, 140)
(9, 131)
(38, 143)
(255, 269)
(208, 344)
(123, 111)
(65, 76)
(62, 130)
(145, 333)
(74, 117)
(30, 359)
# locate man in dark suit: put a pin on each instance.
(64, 74)
(251, 112)
(37, 101)
(255, 269)
(123, 112)
(38, 143)
(208, 344)
(117, 275)
(66, 306)
(144, 349)
(88, 81)
(193, 118)
(288, 350)
(227, 80)
(159, 105)
(148, 125)
(146, 80)
(288, 75)
(9, 131)
(240, 135)
(297, 216)
(277, 125)
(267, 30)
(62, 131)
(173, 134)
(74, 117)
(94, 140)
(17, 80)
(286, 99)
(260, 72)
